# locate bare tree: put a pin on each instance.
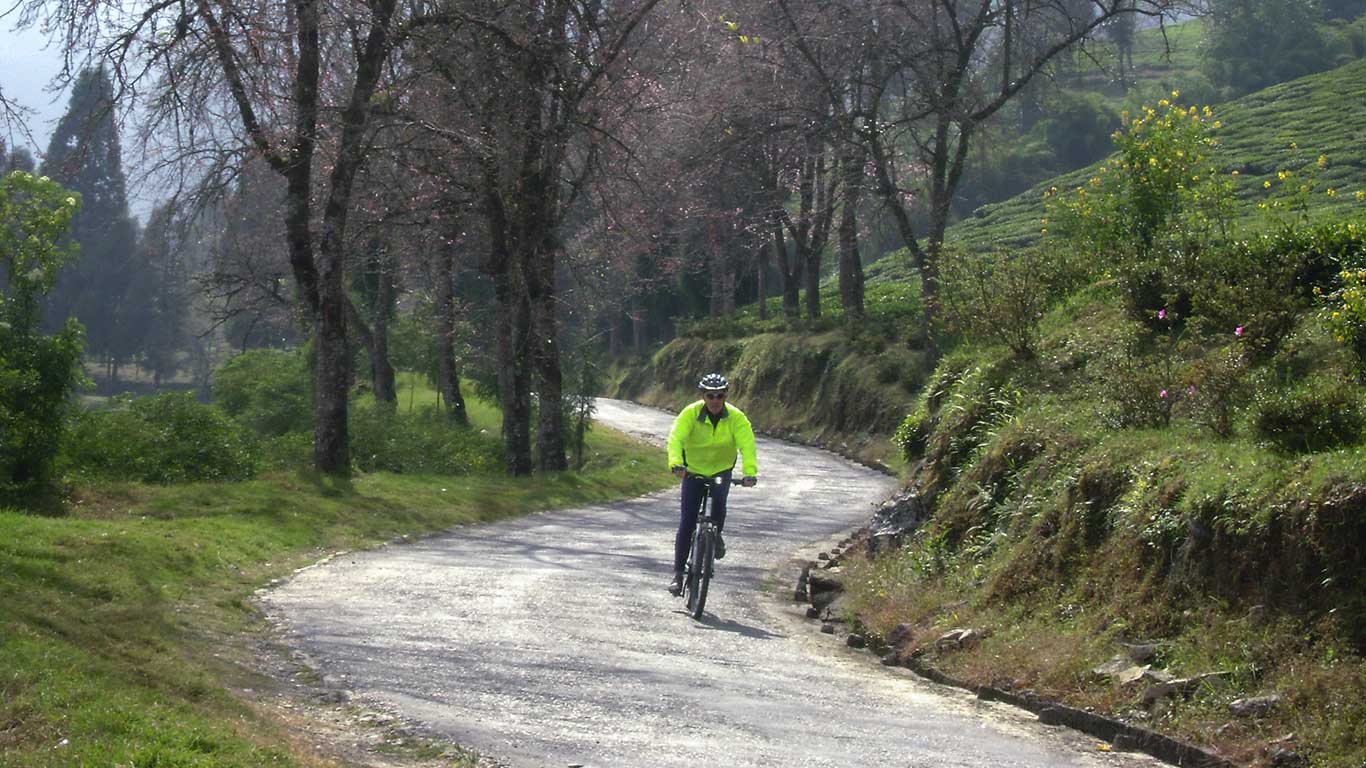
(542, 83)
(245, 278)
(274, 68)
(948, 67)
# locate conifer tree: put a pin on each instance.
(84, 156)
(19, 159)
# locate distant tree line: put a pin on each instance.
(126, 286)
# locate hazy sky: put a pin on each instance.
(27, 66)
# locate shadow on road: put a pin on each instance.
(710, 622)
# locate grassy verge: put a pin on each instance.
(111, 613)
(1062, 536)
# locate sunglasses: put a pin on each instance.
(715, 395)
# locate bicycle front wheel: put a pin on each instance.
(701, 578)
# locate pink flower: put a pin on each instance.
(1162, 394)
(1238, 331)
(1161, 314)
(1190, 390)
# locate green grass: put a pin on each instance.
(414, 393)
(114, 615)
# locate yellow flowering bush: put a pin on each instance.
(1153, 203)
(1345, 311)
(1163, 173)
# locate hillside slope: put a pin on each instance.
(1287, 126)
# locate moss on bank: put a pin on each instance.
(822, 388)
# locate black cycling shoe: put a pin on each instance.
(720, 546)
(676, 586)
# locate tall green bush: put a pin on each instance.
(38, 374)
(269, 390)
(1323, 412)
(1003, 296)
(167, 438)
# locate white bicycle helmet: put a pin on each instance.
(713, 382)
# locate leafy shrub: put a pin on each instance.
(269, 390)
(1151, 206)
(1215, 386)
(1136, 391)
(1139, 379)
(412, 342)
(1263, 283)
(292, 450)
(38, 378)
(39, 374)
(1002, 296)
(167, 438)
(1324, 412)
(1345, 303)
(422, 443)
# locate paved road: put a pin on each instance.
(550, 641)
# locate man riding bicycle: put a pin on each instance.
(703, 442)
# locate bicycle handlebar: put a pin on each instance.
(713, 479)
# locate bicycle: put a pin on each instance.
(702, 556)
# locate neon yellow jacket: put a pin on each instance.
(710, 450)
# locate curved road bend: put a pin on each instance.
(550, 640)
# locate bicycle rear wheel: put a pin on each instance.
(701, 577)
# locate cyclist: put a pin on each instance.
(704, 440)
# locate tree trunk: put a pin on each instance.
(762, 278)
(728, 280)
(717, 272)
(514, 380)
(549, 377)
(381, 370)
(331, 443)
(790, 276)
(638, 331)
(945, 173)
(850, 265)
(813, 283)
(447, 369)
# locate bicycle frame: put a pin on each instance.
(701, 558)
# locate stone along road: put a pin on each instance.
(550, 640)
